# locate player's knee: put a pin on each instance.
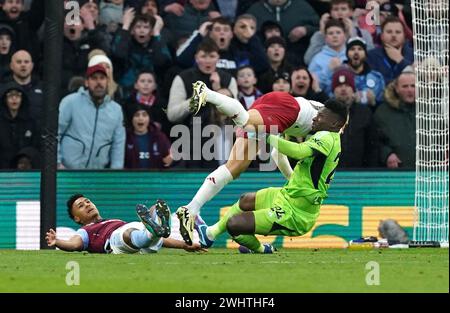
(233, 225)
(247, 202)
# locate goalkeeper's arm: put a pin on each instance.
(293, 150)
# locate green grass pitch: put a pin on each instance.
(222, 270)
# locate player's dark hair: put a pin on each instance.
(70, 202)
(339, 108)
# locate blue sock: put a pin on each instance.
(140, 238)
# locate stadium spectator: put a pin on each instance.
(270, 29)
(395, 53)
(331, 56)
(89, 14)
(206, 71)
(98, 235)
(22, 68)
(341, 10)
(276, 54)
(151, 8)
(281, 82)
(137, 46)
(359, 140)
(7, 48)
(145, 92)
(218, 80)
(26, 159)
(297, 19)
(194, 14)
(77, 43)
(303, 84)
(246, 80)
(98, 56)
(111, 14)
(386, 8)
(396, 122)
(146, 145)
(232, 51)
(91, 132)
(24, 23)
(369, 84)
(248, 43)
(17, 129)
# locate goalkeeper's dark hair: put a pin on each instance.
(70, 202)
(339, 108)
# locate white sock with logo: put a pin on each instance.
(228, 106)
(212, 185)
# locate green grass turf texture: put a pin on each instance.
(225, 270)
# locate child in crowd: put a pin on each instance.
(246, 80)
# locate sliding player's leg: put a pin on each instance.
(274, 111)
(242, 154)
(247, 203)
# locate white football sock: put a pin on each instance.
(210, 187)
(228, 106)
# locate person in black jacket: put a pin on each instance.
(24, 24)
(359, 141)
(17, 128)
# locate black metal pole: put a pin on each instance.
(54, 23)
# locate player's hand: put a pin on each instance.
(174, 8)
(393, 161)
(50, 237)
(194, 248)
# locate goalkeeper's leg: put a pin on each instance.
(262, 199)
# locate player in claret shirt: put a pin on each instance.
(98, 235)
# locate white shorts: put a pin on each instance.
(119, 246)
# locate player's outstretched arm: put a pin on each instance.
(73, 244)
(293, 150)
(178, 244)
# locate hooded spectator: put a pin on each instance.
(17, 128)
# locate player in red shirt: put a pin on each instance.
(274, 112)
(115, 236)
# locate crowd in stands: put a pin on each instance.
(129, 65)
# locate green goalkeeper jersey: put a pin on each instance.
(318, 158)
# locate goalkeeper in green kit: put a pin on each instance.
(293, 209)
